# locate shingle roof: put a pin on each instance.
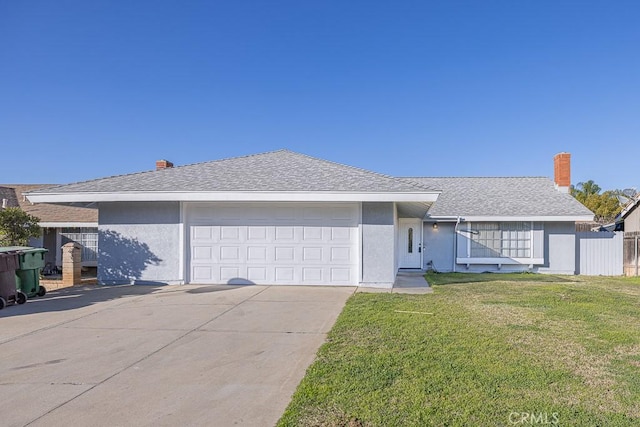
(513, 196)
(281, 170)
(48, 212)
(286, 171)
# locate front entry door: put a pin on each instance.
(410, 243)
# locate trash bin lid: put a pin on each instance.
(22, 249)
(29, 250)
(14, 248)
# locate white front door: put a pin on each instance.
(410, 243)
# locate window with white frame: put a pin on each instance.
(501, 240)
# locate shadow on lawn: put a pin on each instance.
(439, 279)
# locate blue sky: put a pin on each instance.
(432, 88)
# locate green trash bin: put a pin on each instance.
(30, 262)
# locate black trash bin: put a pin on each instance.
(8, 292)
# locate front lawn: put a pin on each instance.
(483, 349)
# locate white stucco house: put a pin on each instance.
(286, 218)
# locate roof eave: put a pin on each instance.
(629, 208)
(69, 224)
(504, 218)
(235, 196)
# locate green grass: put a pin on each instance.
(477, 350)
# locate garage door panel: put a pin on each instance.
(341, 254)
(284, 254)
(257, 273)
(340, 275)
(284, 234)
(312, 254)
(202, 273)
(202, 233)
(284, 274)
(203, 254)
(229, 254)
(311, 233)
(256, 254)
(274, 243)
(229, 234)
(228, 273)
(340, 234)
(256, 234)
(312, 274)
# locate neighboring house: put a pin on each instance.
(287, 218)
(60, 224)
(629, 218)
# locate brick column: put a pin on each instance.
(71, 264)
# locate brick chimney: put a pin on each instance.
(163, 164)
(562, 171)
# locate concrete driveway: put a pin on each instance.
(172, 355)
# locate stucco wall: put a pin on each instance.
(139, 242)
(438, 246)
(553, 241)
(378, 244)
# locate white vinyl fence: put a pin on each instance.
(599, 253)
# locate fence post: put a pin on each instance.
(71, 264)
(636, 247)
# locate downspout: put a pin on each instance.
(455, 243)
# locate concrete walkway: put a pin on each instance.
(407, 282)
(411, 282)
(161, 356)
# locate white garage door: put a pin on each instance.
(273, 243)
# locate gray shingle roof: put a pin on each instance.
(516, 196)
(286, 171)
(281, 170)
